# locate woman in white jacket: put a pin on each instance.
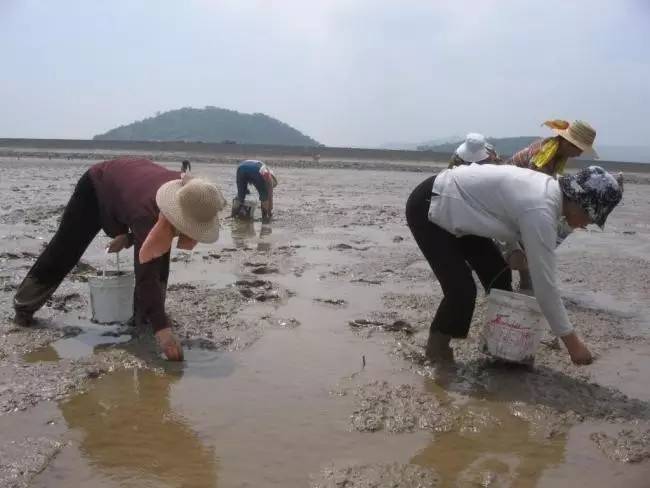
(456, 215)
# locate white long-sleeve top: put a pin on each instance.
(512, 205)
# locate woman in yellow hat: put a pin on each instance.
(551, 154)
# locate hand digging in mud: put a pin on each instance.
(169, 344)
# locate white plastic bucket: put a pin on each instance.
(244, 210)
(111, 295)
(513, 327)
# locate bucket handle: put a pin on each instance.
(498, 275)
(117, 263)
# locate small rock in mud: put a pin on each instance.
(397, 326)
(376, 476)
(347, 247)
(397, 409)
(283, 323)
(366, 281)
(331, 301)
(264, 270)
(629, 446)
(398, 239)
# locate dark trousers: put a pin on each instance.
(247, 175)
(79, 225)
(452, 260)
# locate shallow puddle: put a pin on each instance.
(80, 346)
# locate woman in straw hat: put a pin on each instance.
(456, 215)
(140, 204)
(550, 156)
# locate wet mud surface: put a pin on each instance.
(376, 476)
(304, 356)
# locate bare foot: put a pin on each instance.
(170, 345)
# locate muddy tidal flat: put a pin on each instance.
(304, 354)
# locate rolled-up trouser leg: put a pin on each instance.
(79, 225)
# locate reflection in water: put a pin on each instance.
(507, 456)
(490, 447)
(242, 230)
(132, 436)
(264, 245)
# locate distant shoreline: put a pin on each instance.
(290, 156)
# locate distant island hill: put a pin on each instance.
(210, 124)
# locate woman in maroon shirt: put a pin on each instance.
(140, 204)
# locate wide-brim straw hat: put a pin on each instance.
(580, 134)
(192, 206)
(474, 149)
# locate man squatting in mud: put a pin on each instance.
(139, 204)
(455, 217)
(258, 174)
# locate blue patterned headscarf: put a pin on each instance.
(595, 190)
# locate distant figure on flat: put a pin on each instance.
(475, 149)
(258, 174)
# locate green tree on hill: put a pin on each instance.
(210, 124)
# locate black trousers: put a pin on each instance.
(452, 260)
(79, 225)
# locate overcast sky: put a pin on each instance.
(346, 72)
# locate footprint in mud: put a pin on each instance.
(347, 247)
(376, 476)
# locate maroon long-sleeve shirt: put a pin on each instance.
(126, 191)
